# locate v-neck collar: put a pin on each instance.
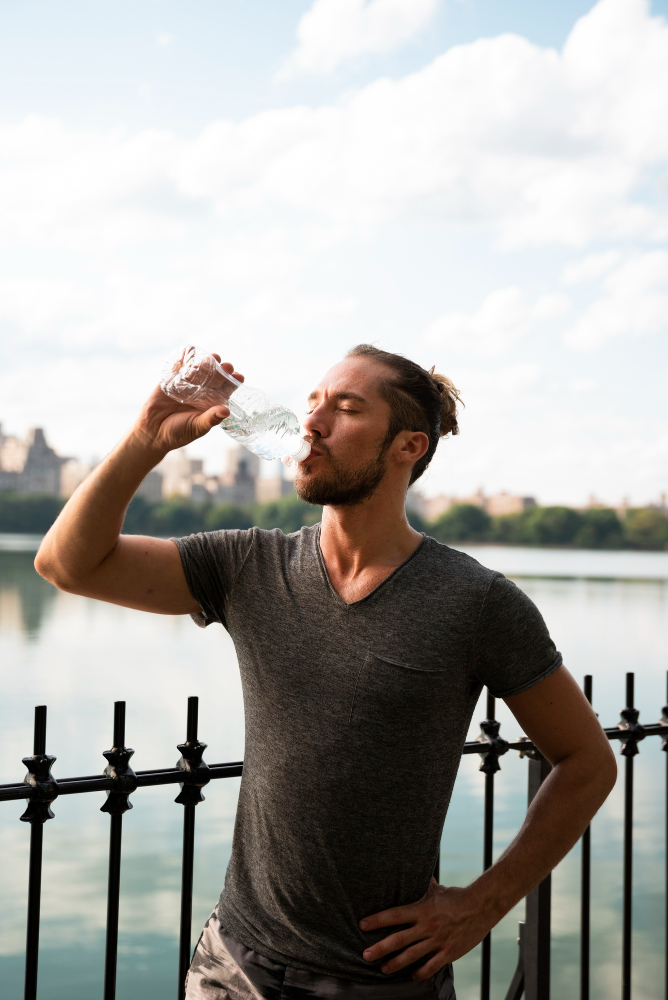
(379, 586)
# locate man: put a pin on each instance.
(363, 646)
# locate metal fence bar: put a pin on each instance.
(195, 774)
(36, 814)
(187, 864)
(488, 843)
(630, 716)
(538, 908)
(123, 783)
(585, 890)
(664, 747)
(516, 988)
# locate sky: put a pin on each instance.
(480, 186)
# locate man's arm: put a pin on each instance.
(447, 922)
(84, 551)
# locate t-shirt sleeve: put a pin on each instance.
(512, 649)
(212, 562)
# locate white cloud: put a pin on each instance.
(503, 319)
(164, 38)
(590, 267)
(582, 385)
(335, 30)
(634, 303)
(499, 131)
(133, 311)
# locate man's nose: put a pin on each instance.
(314, 423)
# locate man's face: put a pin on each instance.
(347, 425)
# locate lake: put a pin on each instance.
(607, 612)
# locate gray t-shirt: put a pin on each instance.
(356, 715)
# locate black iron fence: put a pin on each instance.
(532, 976)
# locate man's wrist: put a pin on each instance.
(143, 447)
(492, 896)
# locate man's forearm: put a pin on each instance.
(561, 811)
(89, 525)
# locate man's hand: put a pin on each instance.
(84, 551)
(165, 424)
(444, 925)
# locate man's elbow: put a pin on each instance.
(605, 770)
(48, 568)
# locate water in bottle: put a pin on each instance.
(193, 376)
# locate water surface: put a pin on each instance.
(607, 613)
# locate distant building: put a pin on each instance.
(497, 505)
(73, 474)
(240, 483)
(178, 471)
(272, 488)
(505, 503)
(151, 488)
(29, 465)
(237, 483)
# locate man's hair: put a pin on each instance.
(419, 400)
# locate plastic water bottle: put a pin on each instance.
(193, 376)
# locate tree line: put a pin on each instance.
(639, 528)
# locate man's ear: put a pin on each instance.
(411, 446)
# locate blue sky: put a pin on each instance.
(478, 185)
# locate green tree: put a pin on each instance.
(550, 525)
(646, 528)
(599, 529)
(139, 517)
(289, 514)
(30, 514)
(416, 521)
(508, 529)
(178, 516)
(227, 515)
(464, 522)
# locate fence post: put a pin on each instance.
(633, 734)
(538, 907)
(492, 747)
(585, 890)
(124, 782)
(43, 790)
(196, 774)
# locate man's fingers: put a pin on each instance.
(210, 418)
(391, 943)
(229, 368)
(389, 918)
(407, 957)
(431, 967)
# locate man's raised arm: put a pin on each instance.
(84, 551)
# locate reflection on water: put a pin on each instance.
(25, 598)
(78, 656)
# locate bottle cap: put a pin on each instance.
(302, 451)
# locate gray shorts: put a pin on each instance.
(223, 969)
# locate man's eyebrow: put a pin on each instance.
(346, 394)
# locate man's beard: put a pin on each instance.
(342, 487)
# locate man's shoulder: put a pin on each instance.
(456, 564)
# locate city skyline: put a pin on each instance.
(479, 186)
(29, 465)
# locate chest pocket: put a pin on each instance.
(398, 704)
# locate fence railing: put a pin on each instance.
(532, 976)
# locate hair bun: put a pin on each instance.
(449, 399)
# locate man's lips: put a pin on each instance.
(313, 454)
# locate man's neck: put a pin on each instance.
(361, 545)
